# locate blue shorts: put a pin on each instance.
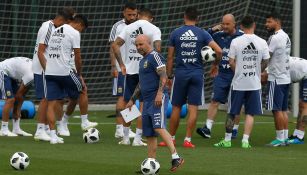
(303, 90)
(154, 117)
(188, 87)
(221, 87)
(277, 99)
(130, 82)
(251, 100)
(118, 85)
(59, 87)
(40, 85)
(8, 86)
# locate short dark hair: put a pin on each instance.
(274, 15)
(191, 13)
(146, 12)
(67, 13)
(82, 19)
(247, 21)
(130, 5)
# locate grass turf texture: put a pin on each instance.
(107, 157)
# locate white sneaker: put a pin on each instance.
(8, 133)
(119, 133)
(22, 133)
(56, 140)
(131, 134)
(63, 129)
(138, 143)
(87, 125)
(124, 142)
(42, 135)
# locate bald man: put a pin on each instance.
(152, 81)
(221, 82)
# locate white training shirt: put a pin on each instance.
(18, 68)
(43, 37)
(129, 33)
(116, 30)
(248, 51)
(280, 48)
(61, 44)
(298, 69)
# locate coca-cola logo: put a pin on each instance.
(188, 45)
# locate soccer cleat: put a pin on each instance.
(234, 133)
(42, 135)
(138, 143)
(245, 145)
(87, 125)
(176, 163)
(204, 132)
(7, 133)
(131, 134)
(164, 144)
(276, 143)
(20, 132)
(223, 143)
(124, 142)
(188, 144)
(56, 140)
(295, 140)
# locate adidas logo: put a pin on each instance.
(157, 123)
(250, 49)
(136, 33)
(59, 32)
(188, 35)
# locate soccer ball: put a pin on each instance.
(208, 54)
(20, 161)
(91, 135)
(150, 166)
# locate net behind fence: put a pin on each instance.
(21, 19)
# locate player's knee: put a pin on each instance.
(117, 111)
(229, 123)
(304, 119)
(10, 101)
(214, 103)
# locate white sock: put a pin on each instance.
(286, 135)
(175, 156)
(84, 118)
(228, 136)
(209, 123)
(298, 133)
(47, 129)
(236, 127)
(4, 126)
(173, 137)
(65, 117)
(119, 127)
(188, 139)
(53, 134)
(245, 138)
(40, 126)
(126, 133)
(138, 134)
(16, 126)
(280, 135)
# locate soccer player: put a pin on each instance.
(130, 67)
(60, 77)
(248, 57)
(13, 71)
(186, 43)
(42, 40)
(279, 77)
(130, 16)
(152, 86)
(222, 82)
(298, 73)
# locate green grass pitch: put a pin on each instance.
(108, 158)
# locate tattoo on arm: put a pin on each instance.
(161, 71)
(136, 93)
(264, 64)
(116, 49)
